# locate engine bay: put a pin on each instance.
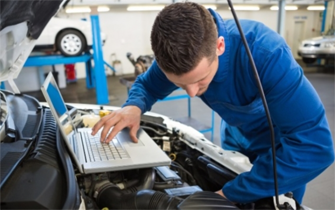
(37, 171)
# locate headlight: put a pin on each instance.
(330, 44)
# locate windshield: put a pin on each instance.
(330, 32)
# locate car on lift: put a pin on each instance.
(318, 47)
(71, 37)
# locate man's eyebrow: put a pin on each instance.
(202, 78)
(206, 74)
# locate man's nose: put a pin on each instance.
(192, 90)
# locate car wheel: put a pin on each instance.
(71, 43)
(308, 60)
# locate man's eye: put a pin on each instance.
(203, 78)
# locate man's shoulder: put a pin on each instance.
(243, 22)
(246, 25)
(256, 33)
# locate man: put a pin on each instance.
(197, 50)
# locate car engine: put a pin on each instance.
(37, 171)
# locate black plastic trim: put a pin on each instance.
(73, 198)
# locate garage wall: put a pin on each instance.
(311, 27)
(130, 31)
(270, 21)
(127, 32)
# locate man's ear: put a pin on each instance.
(220, 46)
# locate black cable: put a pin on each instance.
(260, 88)
(93, 182)
(178, 166)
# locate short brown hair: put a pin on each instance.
(183, 34)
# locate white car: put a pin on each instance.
(318, 47)
(69, 36)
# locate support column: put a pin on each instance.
(90, 82)
(99, 71)
(281, 18)
(324, 15)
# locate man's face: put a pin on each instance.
(196, 81)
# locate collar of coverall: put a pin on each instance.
(222, 72)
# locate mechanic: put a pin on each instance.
(197, 50)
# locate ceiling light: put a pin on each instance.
(319, 8)
(286, 8)
(146, 8)
(78, 10)
(103, 9)
(247, 7)
(211, 6)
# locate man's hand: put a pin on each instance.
(129, 116)
(220, 193)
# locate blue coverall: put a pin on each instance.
(304, 146)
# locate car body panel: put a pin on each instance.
(56, 25)
(15, 47)
(234, 161)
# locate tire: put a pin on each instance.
(71, 43)
(308, 60)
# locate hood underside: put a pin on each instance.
(21, 23)
(36, 13)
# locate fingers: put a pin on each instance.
(220, 193)
(117, 128)
(126, 117)
(101, 123)
(116, 122)
(133, 132)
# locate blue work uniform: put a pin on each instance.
(303, 142)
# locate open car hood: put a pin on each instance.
(21, 23)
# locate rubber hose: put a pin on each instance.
(113, 198)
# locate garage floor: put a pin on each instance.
(320, 191)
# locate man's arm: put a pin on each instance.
(148, 88)
(304, 146)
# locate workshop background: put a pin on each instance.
(127, 26)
